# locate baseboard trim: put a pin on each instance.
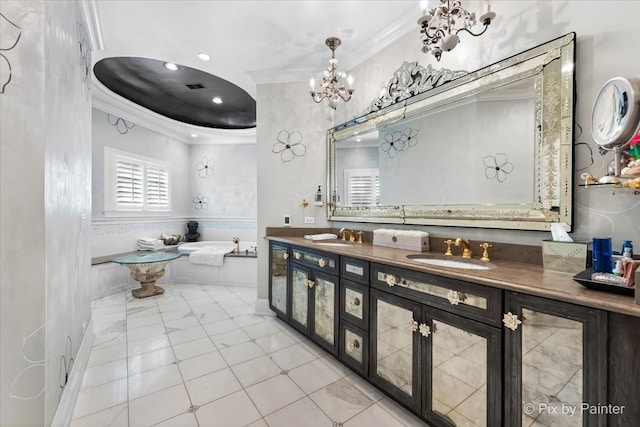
(62, 417)
(262, 307)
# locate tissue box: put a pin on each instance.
(402, 239)
(565, 257)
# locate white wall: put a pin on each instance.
(223, 197)
(605, 48)
(46, 203)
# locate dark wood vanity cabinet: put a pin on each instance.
(555, 362)
(459, 353)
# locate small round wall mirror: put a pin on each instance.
(616, 115)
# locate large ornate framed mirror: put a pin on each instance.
(492, 148)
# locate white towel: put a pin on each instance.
(322, 236)
(211, 255)
(149, 244)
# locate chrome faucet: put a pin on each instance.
(466, 252)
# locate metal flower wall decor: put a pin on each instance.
(84, 55)
(205, 167)
(6, 44)
(397, 141)
(289, 145)
(122, 126)
(497, 167)
(200, 202)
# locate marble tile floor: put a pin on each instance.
(198, 356)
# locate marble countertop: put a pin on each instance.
(519, 277)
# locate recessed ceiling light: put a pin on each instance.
(204, 56)
(217, 100)
(194, 135)
(171, 66)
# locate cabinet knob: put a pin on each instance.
(453, 297)
(285, 255)
(353, 345)
(391, 280)
(353, 302)
(322, 262)
(511, 321)
(310, 283)
(413, 325)
(425, 330)
(297, 255)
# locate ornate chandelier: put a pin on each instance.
(440, 26)
(332, 88)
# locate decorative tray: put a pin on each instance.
(584, 278)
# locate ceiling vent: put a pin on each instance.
(196, 86)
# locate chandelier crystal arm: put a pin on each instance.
(441, 25)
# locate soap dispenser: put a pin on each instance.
(318, 201)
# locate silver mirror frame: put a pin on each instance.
(552, 66)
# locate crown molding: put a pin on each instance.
(91, 11)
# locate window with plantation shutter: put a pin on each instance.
(362, 187)
(135, 185)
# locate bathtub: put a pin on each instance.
(238, 270)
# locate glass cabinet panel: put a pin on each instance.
(324, 309)
(458, 375)
(353, 345)
(353, 303)
(279, 268)
(552, 353)
(394, 345)
(300, 296)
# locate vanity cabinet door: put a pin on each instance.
(299, 297)
(394, 349)
(278, 278)
(462, 367)
(314, 305)
(354, 303)
(324, 310)
(555, 362)
(354, 348)
(354, 269)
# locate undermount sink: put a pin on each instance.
(333, 244)
(452, 263)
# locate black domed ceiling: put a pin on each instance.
(184, 95)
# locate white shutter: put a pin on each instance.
(157, 188)
(129, 184)
(362, 187)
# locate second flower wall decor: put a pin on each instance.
(289, 145)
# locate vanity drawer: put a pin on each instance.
(354, 348)
(354, 269)
(314, 259)
(482, 303)
(354, 303)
